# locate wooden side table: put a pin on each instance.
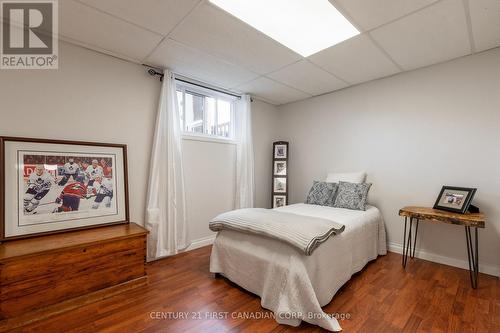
(469, 220)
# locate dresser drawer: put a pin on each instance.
(40, 280)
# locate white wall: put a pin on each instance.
(95, 97)
(265, 124)
(210, 177)
(412, 133)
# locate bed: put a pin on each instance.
(291, 284)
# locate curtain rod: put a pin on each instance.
(153, 72)
(206, 87)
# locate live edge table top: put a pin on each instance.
(425, 213)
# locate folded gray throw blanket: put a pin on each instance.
(305, 233)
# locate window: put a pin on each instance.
(204, 112)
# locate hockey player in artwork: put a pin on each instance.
(70, 197)
(39, 183)
(106, 168)
(104, 194)
(71, 170)
(93, 172)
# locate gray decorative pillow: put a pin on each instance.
(322, 193)
(352, 196)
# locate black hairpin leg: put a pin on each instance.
(407, 242)
(407, 247)
(404, 243)
(415, 240)
(472, 256)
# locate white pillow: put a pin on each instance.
(351, 177)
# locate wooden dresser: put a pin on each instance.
(46, 275)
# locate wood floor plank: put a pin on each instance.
(383, 297)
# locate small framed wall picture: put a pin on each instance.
(280, 151)
(279, 185)
(455, 199)
(279, 168)
(279, 201)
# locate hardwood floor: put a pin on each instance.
(427, 297)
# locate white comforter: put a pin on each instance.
(295, 286)
(305, 233)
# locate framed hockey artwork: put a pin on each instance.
(49, 186)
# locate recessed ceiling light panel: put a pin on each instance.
(305, 26)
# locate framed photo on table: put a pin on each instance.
(455, 199)
(50, 186)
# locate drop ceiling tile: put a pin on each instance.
(308, 78)
(82, 24)
(160, 16)
(356, 60)
(485, 19)
(272, 91)
(216, 32)
(432, 35)
(370, 14)
(197, 65)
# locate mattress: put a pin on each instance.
(292, 285)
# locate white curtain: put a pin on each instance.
(166, 202)
(245, 184)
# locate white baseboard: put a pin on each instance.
(422, 254)
(200, 242)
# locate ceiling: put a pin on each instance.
(201, 41)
